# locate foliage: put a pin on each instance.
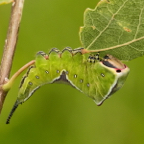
(115, 27)
(58, 114)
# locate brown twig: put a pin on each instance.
(10, 45)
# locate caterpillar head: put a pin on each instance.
(119, 70)
(113, 62)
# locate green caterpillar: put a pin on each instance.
(96, 78)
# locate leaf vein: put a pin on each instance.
(107, 25)
(117, 46)
(140, 16)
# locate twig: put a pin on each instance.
(10, 45)
(8, 85)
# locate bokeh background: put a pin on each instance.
(59, 114)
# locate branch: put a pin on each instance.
(8, 85)
(10, 45)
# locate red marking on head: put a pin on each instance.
(121, 69)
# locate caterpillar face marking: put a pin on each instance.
(118, 70)
(99, 78)
(112, 62)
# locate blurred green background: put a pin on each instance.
(59, 114)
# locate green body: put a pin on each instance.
(93, 78)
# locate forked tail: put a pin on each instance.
(12, 111)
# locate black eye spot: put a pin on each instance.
(75, 76)
(46, 71)
(37, 77)
(57, 71)
(30, 83)
(118, 71)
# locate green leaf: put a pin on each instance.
(115, 27)
(5, 1)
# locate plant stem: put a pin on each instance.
(10, 45)
(8, 85)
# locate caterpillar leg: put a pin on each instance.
(92, 58)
